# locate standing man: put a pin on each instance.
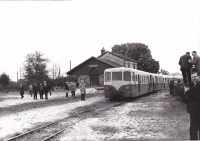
(41, 90)
(196, 61)
(66, 89)
(82, 90)
(49, 87)
(171, 86)
(30, 89)
(46, 90)
(21, 91)
(193, 108)
(35, 90)
(73, 89)
(185, 67)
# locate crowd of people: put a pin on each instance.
(45, 88)
(192, 91)
(186, 62)
(42, 89)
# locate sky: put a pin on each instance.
(78, 29)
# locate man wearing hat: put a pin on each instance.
(185, 67)
(195, 61)
(193, 107)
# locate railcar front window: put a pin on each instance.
(107, 76)
(116, 76)
(127, 76)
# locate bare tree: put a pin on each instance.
(55, 71)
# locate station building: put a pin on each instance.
(92, 69)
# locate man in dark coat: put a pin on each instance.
(66, 89)
(21, 91)
(35, 90)
(186, 67)
(171, 86)
(41, 90)
(196, 61)
(73, 88)
(193, 108)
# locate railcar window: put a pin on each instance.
(127, 76)
(107, 76)
(116, 76)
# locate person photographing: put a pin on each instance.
(193, 107)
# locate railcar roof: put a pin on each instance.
(129, 69)
(142, 72)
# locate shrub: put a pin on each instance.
(1, 88)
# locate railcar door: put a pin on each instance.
(134, 83)
(156, 84)
(148, 81)
(151, 83)
(139, 82)
(117, 81)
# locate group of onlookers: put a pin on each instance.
(192, 92)
(186, 62)
(44, 88)
(71, 86)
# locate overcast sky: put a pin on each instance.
(78, 29)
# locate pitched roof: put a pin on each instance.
(110, 62)
(118, 55)
(106, 62)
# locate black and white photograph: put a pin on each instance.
(99, 70)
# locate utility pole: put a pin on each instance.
(70, 70)
(53, 71)
(20, 73)
(17, 76)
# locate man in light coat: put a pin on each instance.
(82, 90)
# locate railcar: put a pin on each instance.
(128, 82)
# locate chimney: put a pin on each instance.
(102, 51)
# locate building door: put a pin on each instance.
(94, 77)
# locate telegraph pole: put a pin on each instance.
(17, 76)
(70, 70)
(20, 73)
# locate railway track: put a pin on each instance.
(50, 130)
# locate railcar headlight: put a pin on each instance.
(107, 88)
(127, 87)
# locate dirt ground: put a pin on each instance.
(157, 116)
(18, 115)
